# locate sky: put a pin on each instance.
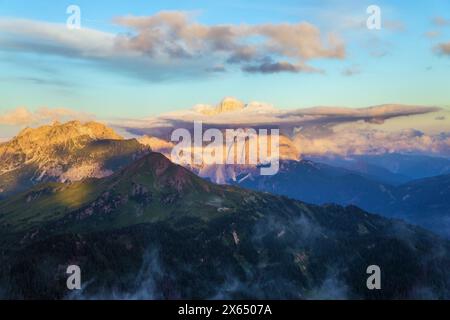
(133, 59)
(397, 64)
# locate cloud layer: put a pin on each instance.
(161, 45)
(314, 131)
(231, 112)
(21, 116)
(358, 141)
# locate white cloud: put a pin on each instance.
(318, 130)
(357, 141)
(259, 113)
(21, 116)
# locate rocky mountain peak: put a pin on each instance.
(230, 104)
(63, 152)
(47, 139)
(68, 130)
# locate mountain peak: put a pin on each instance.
(64, 152)
(230, 104)
(158, 170)
(69, 130)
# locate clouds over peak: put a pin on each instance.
(315, 131)
(21, 116)
(443, 48)
(232, 113)
(172, 40)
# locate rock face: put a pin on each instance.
(157, 144)
(49, 142)
(228, 104)
(63, 152)
(225, 173)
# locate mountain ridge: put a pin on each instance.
(63, 152)
(156, 230)
(422, 201)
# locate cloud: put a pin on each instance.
(175, 34)
(376, 45)
(314, 131)
(443, 48)
(432, 34)
(283, 66)
(21, 116)
(358, 141)
(172, 44)
(216, 68)
(50, 38)
(351, 71)
(394, 25)
(39, 81)
(317, 130)
(18, 116)
(238, 114)
(441, 21)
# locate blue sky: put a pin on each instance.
(397, 64)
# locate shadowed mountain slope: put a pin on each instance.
(156, 230)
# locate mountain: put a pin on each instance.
(228, 104)
(319, 184)
(364, 181)
(63, 152)
(366, 169)
(424, 202)
(392, 168)
(156, 230)
(224, 173)
(410, 165)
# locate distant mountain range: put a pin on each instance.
(74, 151)
(425, 202)
(392, 168)
(156, 230)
